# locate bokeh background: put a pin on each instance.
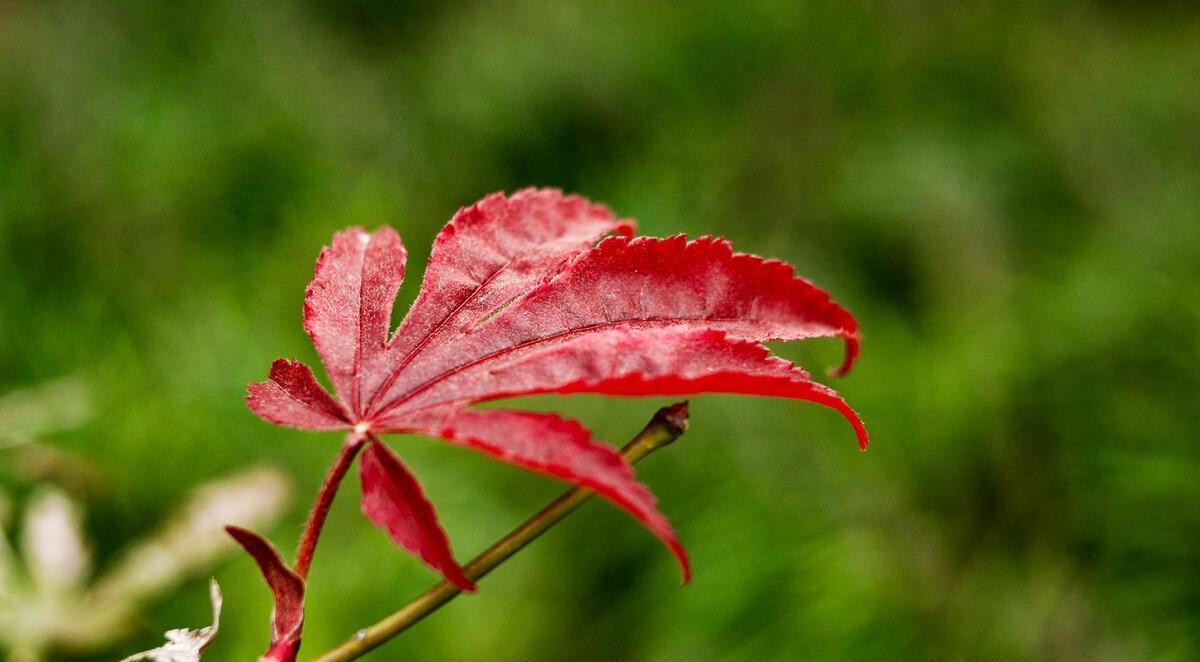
(1007, 197)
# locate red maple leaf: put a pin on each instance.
(519, 298)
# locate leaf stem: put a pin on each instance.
(320, 509)
(666, 426)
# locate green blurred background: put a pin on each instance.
(1006, 196)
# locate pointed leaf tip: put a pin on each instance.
(853, 347)
(685, 564)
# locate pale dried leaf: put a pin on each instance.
(185, 645)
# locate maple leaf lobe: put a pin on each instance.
(348, 307)
(394, 500)
(286, 586)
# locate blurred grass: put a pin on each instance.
(1005, 195)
